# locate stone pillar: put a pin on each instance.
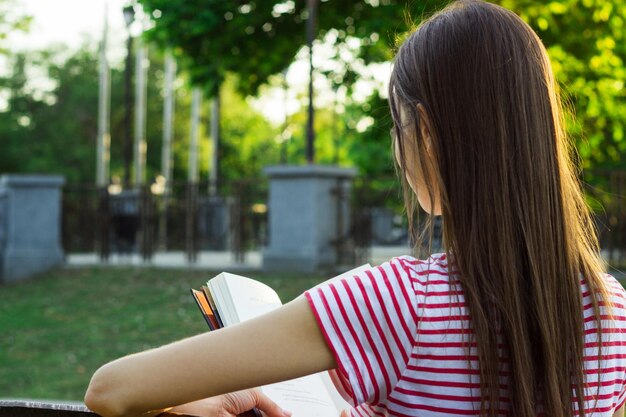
(30, 225)
(308, 214)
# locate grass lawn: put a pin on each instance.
(58, 328)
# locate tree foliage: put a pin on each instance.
(587, 46)
(255, 39)
(10, 20)
(47, 131)
(241, 44)
(55, 130)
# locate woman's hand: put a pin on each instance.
(231, 405)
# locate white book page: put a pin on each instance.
(222, 299)
(249, 298)
(305, 397)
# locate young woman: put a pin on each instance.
(515, 318)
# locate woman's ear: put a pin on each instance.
(425, 126)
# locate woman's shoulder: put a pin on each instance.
(433, 268)
(405, 275)
(616, 291)
(429, 277)
(614, 284)
(611, 303)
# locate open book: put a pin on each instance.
(228, 299)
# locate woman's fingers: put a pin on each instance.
(241, 402)
(267, 406)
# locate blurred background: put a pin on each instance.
(145, 59)
(161, 116)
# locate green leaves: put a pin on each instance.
(240, 44)
(255, 39)
(55, 131)
(11, 20)
(586, 44)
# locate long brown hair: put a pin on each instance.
(516, 227)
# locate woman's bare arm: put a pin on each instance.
(281, 345)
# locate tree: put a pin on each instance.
(55, 131)
(255, 39)
(587, 47)
(16, 120)
(51, 131)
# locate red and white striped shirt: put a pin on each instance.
(399, 334)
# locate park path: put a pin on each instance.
(214, 260)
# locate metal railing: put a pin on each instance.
(191, 220)
(188, 219)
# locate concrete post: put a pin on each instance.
(30, 224)
(306, 219)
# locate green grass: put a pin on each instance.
(58, 328)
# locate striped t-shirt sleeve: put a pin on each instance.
(369, 321)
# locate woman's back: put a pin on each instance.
(425, 362)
